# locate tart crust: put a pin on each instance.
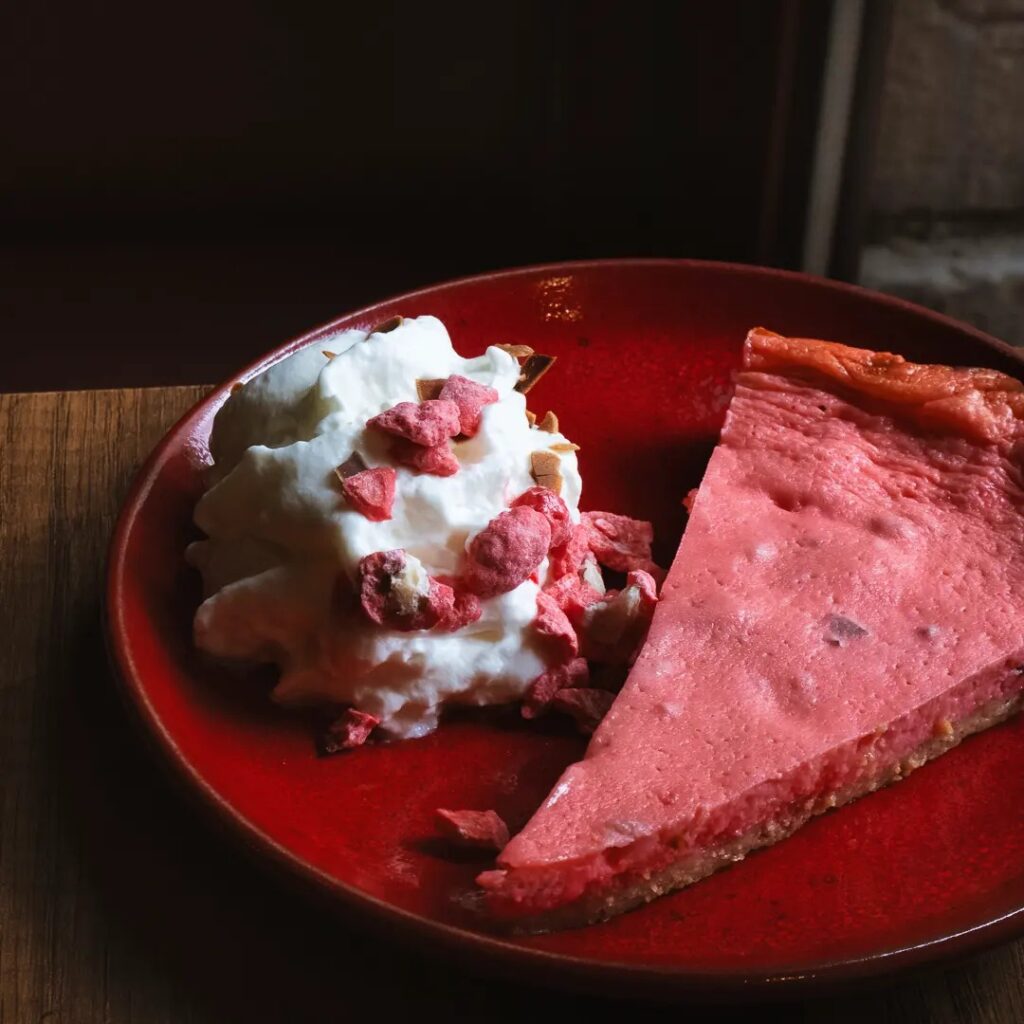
(982, 404)
(634, 891)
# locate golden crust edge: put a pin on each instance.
(975, 401)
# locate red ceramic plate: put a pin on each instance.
(646, 351)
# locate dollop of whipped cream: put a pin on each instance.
(281, 539)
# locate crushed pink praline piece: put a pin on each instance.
(478, 830)
(568, 557)
(566, 676)
(573, 595)
(552, 508)
(621, 543)
(438, 460)
(348, 732)
(371, 492)
(439, 608)
(553, 624)
(470, 398)
(506, 551)
(464, 609)
(428, 423)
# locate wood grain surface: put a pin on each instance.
(118, 900)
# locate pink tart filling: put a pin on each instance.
(845, 604)
(520, 887)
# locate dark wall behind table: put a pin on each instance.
(190, 184)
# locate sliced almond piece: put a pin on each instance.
(544, 468)
(387, 325)
(429, 387)
(552, 481)
(352, 465)
(544, 463)
(533, 369)
(549, 423)
(564, 446)
(531, 417)
(516, 351)
(328, 354)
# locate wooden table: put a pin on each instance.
(118, 901)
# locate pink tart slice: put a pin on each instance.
(846, 604)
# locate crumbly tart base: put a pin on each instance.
(695, 865)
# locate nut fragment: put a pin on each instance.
(612, 629)
(549, 423)
(544, 463)
(396, 592)
(429, 388)
(944, 728)
(387, 325)
(352, 465)
(531, 417)
(533, 369)
(328, 354)
(516, 351)
(544, 468)
(564, 446)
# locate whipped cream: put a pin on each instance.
(280, 535)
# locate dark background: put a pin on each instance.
(189, 185)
